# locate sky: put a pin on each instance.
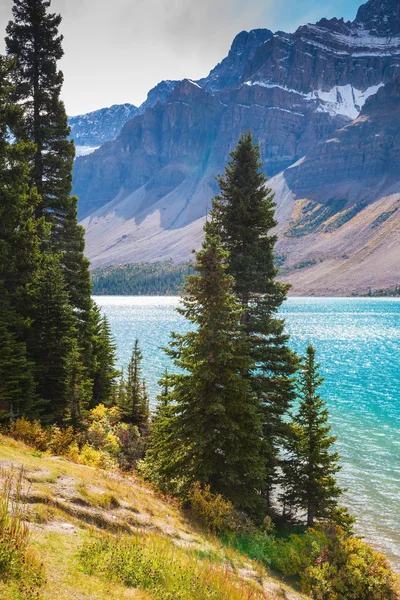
(117, 50)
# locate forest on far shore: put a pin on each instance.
(141, 279)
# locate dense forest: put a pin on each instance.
(240, 434)
(141, 279)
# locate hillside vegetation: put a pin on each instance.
(155, 279)
(101, 535)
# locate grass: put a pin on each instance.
(21, 573)
(106, 500)
(167, 572)
(75, 512)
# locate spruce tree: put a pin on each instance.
(209, 429)
(52, 339)
(310, 465)
(34, 42)
(243, 215)
(104, 356)
(17, 385)
(135, 406)
(160, 467)
(19, 257)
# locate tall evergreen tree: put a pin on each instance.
(210, 427)
(310, 466)
(243, 215)
(17, 385)
(135, 407)
(34, 42)
(19, 257)
(52, 339)
(104, 356)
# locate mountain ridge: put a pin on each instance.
(144, 196)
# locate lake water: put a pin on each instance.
(358, 343)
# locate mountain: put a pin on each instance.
(91, 130)
(229, 72)
(342, 225)
(144, 196)
(95, 128)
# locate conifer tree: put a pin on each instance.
(243, 215)
(135, 407)
(34, 42)
(164, 445)
(104, 356)
(17, 385)
(52, 339)
(209, 429)
(19, 257)
(310, 465)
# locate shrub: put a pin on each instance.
(292, 556)
(215, 512)
(31, 433)
(106, 442)
(91, 457)
(59, 440)
(349, 568)
(332, 565)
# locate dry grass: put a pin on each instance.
(69, 505)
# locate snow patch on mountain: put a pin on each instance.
(85, 150)
(344, 100)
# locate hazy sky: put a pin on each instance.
(116, 50)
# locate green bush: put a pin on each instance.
(350, 569)
(332, 565)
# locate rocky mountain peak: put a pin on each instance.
(335, 25)
(188, 91)
(228, 73)
(159, 93)
(380, 17)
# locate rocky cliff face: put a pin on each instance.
(229, 72)
(321, 102)
(104, 125)
(362, 158)
(380, 17)
(91, 130)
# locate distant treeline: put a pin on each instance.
(141, 279)
(391, 293)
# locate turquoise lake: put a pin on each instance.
(358, 343)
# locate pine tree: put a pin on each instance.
(310, 466)
(135, 407)
(17, 385)
(33, 41)
(243, 215)
(159, 465)
(104, 356)
(52, 340)
(209, 429)
(19, 257)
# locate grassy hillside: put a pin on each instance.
(104, 536)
